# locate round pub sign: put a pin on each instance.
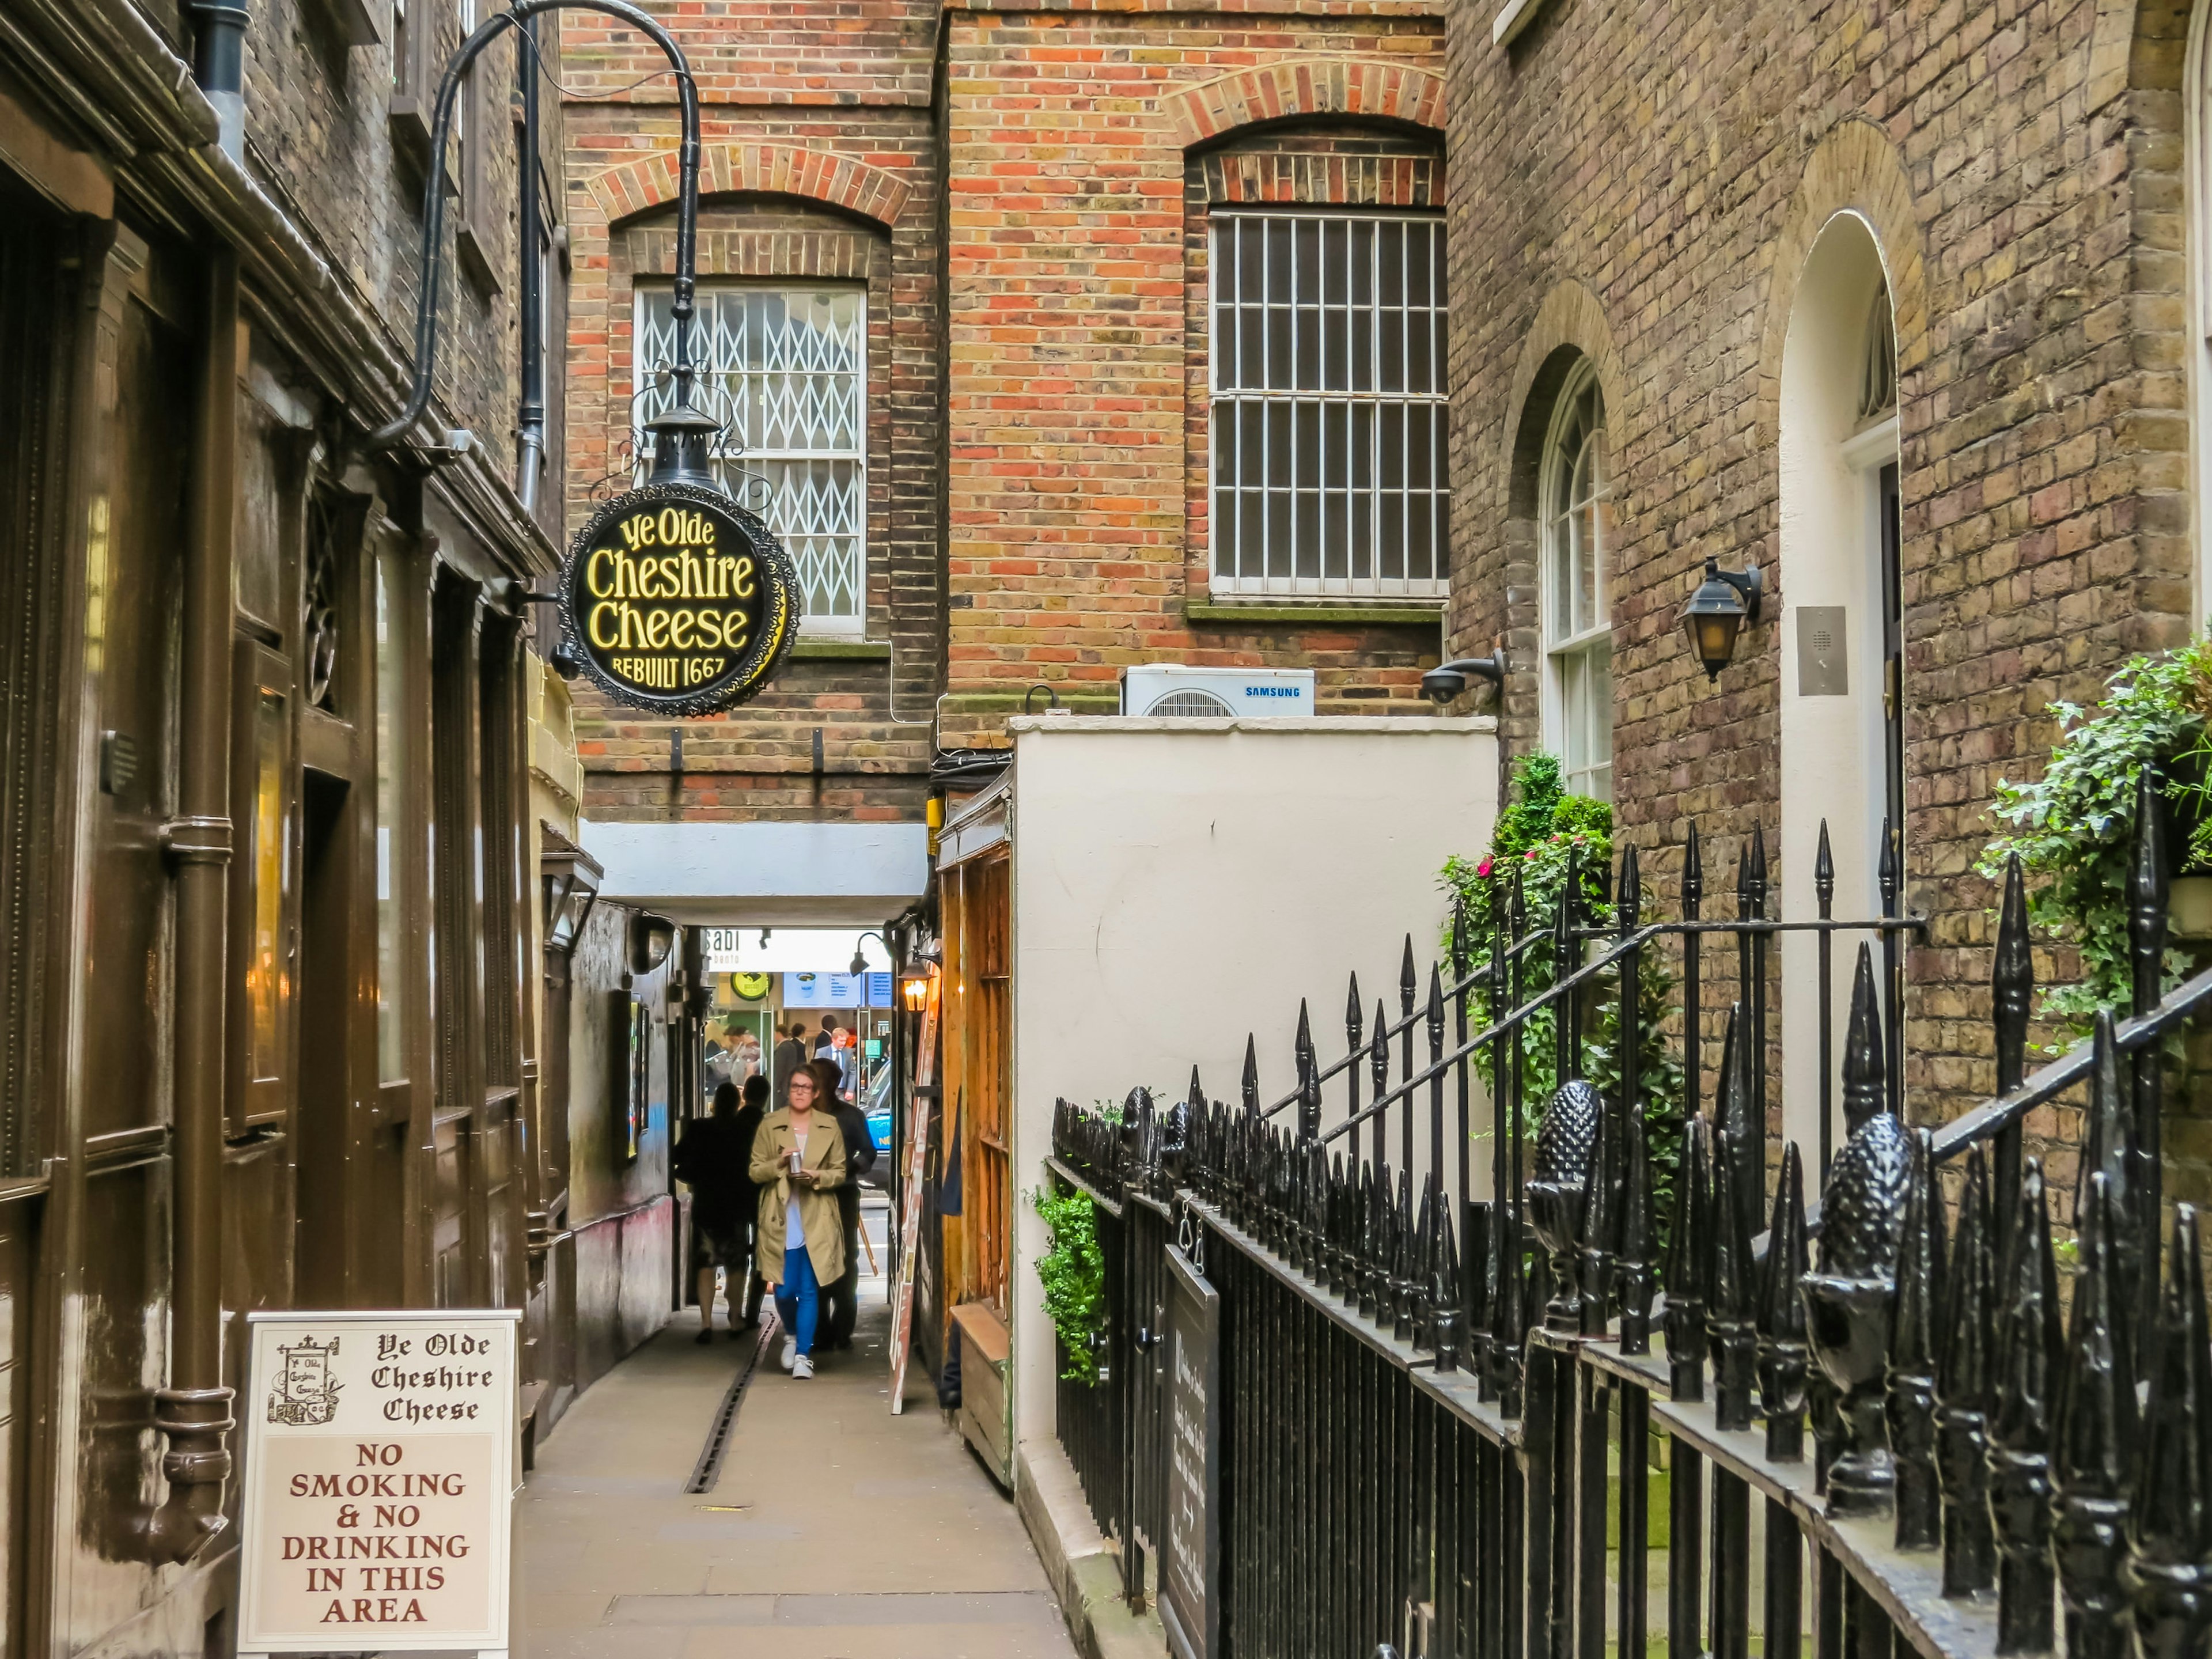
(677, 600)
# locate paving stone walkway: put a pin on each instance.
(835, 1530)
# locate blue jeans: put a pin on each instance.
(798, 1299)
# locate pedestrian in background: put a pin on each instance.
(790, 1055)
(711, 1158)
(798, 1161)
(860, 1157)
(750, 1116)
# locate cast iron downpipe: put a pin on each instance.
(219, 67)
(530, 418)
(194, 1412)
(684, 435)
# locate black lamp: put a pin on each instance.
(1717, 612)
(650, 940)
(1449, 680)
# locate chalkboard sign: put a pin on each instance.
(1190, 1600)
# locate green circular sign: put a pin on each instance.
(677, 600)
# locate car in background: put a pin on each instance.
(877, 1106)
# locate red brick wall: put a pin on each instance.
(1037, 462)
(1076, 490)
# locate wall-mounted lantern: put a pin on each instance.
(914, 988)
(651, 938)
(1717, 612)
(1449, 680)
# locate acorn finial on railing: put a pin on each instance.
(1963, 1391)
(1729, 1308)
(1865, 1091)
(1910, 1409)
(1848, 1305)
(1685, 1251)
(2029, 1356)
(1564, 1141)
(1782, 1356)
(1409, 980)
(1458, 958)
(1250, 1086)
(2170, 1529)
(1824, 872)
(2012, 981)
(1353, 1015)
(2093, 1439)
(1693, 871)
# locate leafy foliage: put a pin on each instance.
(2075, 826)
(1539, 836)
(1073, 1269)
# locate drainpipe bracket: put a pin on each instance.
(196, 840)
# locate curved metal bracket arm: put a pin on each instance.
(434, 196)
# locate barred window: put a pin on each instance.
(1328, 401)
(787, 368)
(1577, 491)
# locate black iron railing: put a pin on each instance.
(1472, 1451)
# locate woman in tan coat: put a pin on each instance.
(798, 1159)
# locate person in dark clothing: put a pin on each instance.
(860, 1157)
(790, 1055)
(749, 1122)
(711, 1158)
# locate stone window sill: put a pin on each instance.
(846, 650)
(1283, 613)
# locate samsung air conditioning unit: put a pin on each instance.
(1169, 690)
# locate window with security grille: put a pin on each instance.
(1328, 401)
(785, 368)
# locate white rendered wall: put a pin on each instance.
(1179, 883)
(1832, 745)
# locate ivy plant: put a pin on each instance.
(1073, 1270)
(1541, 833)
(2073, 827)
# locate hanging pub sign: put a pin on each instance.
(677, 600)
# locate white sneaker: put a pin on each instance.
(803, 1366)
(790, 1351)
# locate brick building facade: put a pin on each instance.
(1021, 201)
(1696, 227)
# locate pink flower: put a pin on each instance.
(1482, 869)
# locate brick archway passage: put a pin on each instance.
(1305, 86)
(649, 181)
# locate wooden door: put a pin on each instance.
(978, 1065)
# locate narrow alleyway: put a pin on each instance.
(834, 1531)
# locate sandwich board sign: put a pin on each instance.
(379, 1483)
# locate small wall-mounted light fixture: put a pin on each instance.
(914, 988)
(1717, 612)
(859, 965)
(651, 938)
(1449, 680)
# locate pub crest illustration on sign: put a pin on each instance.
(305, 1391)
(678, 601)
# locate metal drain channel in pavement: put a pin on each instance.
(709, 1469)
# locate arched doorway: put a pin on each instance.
(1843, 683)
